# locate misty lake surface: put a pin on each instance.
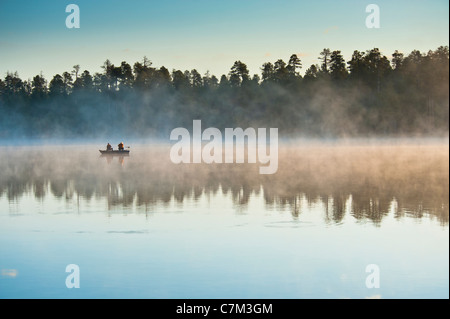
(142, 227)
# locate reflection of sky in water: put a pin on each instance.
(211, 246)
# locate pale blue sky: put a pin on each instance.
(207, 34)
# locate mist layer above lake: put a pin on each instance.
(415, 176)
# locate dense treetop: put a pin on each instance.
(368, 95)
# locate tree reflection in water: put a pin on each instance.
(370, 178)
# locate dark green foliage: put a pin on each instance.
(369, 95)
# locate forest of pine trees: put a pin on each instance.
(369, 95)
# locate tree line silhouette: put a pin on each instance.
(368, 95)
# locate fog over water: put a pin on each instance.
(413, 174)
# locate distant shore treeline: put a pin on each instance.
(369, 95)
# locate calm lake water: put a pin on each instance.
(143, 227)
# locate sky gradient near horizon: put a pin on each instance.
(207, 35)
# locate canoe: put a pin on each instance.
(115, 152)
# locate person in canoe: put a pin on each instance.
(121, 147)
(109, 147)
